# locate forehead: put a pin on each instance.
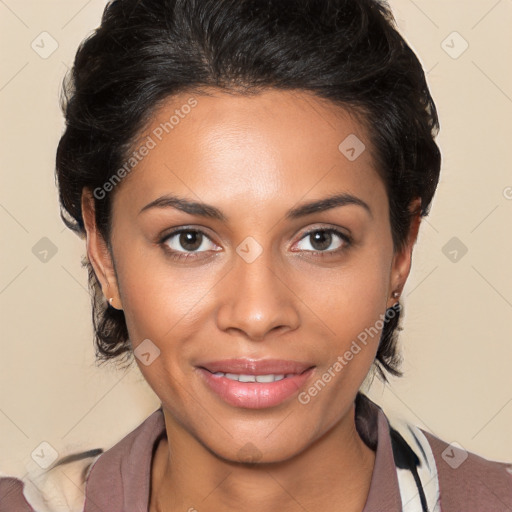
(220, 146)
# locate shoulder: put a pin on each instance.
(446, 476)
(11, 496)
(56, 489)
(62, 487)
(121, 475)
(468, 477)
(134, 447)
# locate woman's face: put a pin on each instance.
(252, 272)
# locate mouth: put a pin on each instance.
(255, 384)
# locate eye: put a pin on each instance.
(186, 241)
(328, 240)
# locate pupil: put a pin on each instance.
(321, 240)
(190, 240)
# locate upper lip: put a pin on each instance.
(256, 367)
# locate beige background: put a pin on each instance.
(458, 333)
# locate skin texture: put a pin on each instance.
(254, 158)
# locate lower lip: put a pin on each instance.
(254, 395)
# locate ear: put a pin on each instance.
(402, 259)
(98, 252)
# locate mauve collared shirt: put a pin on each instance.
(119, 480)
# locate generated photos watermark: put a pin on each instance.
(143, 150)
(342, 360)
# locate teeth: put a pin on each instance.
(265, 378)
(254, 378)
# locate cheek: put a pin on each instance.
(168, 306)
(351, 303)
(351, 297)
(353, 310)
(366, 296)
(159, 298)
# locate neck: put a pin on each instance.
(331, 474)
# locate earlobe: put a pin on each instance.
(98, 253)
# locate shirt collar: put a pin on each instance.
(384, 491)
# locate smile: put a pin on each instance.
(255, 384)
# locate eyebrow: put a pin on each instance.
(209, 211)
(327, 203)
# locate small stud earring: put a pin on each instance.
(110, 300)
(396, 294)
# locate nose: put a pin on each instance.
(256, 301)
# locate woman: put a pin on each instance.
(250, 177)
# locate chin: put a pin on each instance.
(258, 448)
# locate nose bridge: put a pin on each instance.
(256, 300)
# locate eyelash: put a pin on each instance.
(178, 255)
